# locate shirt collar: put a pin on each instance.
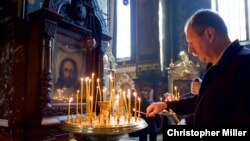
(221, 54)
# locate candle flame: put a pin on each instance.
(86, 79)
(70, 99)
(128, 95)
(134, 94)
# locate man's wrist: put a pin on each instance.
(166, 105)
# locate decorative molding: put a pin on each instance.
(50, 28)
(61, 17)
(148, 66)
(124, 82)
(124, 77)
(55, 5)
(127, 69)
(182, 69)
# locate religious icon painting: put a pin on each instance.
(68, 65)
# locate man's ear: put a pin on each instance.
(210, 34)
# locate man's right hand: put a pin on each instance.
(155, 108)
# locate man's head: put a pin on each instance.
(195, 85)
(207, 35)
(68, 72)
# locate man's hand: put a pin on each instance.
(155, 108)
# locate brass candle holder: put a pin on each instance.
(105, 126)
(109, 124)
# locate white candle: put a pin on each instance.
(70, 99)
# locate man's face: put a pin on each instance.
(197, 44)
(68, 71)
(195, 86)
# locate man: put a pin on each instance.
(194, 87)
(224, 96)
(67, 79)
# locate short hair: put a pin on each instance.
(204, 18)
(197, 79)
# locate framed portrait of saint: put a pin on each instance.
(68, 65)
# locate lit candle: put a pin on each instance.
(139, 106)
(161, 99)
(111, 97)
(120, 102)
(99, 88)
(125, 101)
(70, 100)
(77, 93)
(97, 93)
(117, 104)
(87, 95)
(129, 103)
(111, 82)
(135, 98)
(175, 91)
(81, 95)
(104, 94)
(91, 104)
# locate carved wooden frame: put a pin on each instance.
(50, 21)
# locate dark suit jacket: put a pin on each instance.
(187, 95)
(224, 96)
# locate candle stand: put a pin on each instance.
(106, 126)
